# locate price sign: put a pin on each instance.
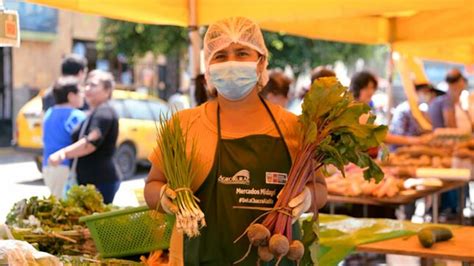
(9, 28)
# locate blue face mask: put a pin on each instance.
(234, 80)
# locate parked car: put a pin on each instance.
(138, 116)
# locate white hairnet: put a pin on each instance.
(235, 30)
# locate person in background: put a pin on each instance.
(446, 112)
(200, 91)
(321, 72)
(95, 148)
(363, 86)
(318, 72)
(277, 88)
(403, 122)
(72, 65)
(59, 122)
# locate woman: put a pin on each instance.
(96, 138)
(59, 123)
(237, 133)
(363, 86)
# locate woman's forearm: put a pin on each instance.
(400, 140)
(152, 193)
(79, 148)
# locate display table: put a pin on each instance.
(460, 247)
(400, 199)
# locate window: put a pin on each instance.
(138, 109)
(119, 108)
(159, 108)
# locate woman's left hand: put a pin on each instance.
(300, 204)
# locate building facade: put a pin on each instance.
(47, 35)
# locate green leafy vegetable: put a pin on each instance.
(330, 110)
(331, 135)
(53, 225)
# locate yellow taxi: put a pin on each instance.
(138, 116)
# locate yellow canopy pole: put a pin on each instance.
(194, 47)
(402, 64)
(390, 86)
(415, 65)
(194, 38)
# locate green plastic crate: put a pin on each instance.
(130, 231)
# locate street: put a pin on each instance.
(20, 178)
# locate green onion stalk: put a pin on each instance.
(180, 170)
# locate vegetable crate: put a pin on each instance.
(130, 231)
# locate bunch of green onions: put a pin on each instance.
(179, 169)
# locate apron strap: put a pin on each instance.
(275, 123)
(219, 134)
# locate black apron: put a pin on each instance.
(247, 172)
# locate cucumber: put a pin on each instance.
(433, 234)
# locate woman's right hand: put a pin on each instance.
(56, 158)
(166, 199)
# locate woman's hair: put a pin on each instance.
(200, 91)
(104, 77)
(73, 64)
(360, 80)
(454, 75)
(321, 72)
(62, 88)
(278, 84)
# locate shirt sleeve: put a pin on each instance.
(447, 104)
(74, 120)
(101, 120)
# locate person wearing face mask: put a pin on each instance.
(242, 141)
(363, 86)
(403, 122)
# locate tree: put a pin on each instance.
(300, 52)
(134, 40)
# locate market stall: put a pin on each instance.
(459, 248)
(332, 132)
(342, 235)
(82, 230)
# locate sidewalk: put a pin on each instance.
(10, 155)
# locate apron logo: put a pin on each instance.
(276, 178)
(242, 177)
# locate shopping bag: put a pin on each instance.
(70, 182)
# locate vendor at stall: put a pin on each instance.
(363, 86)
(446, 112)
(403, 122)
(236, 134)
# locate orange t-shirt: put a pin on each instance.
(197, 124)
